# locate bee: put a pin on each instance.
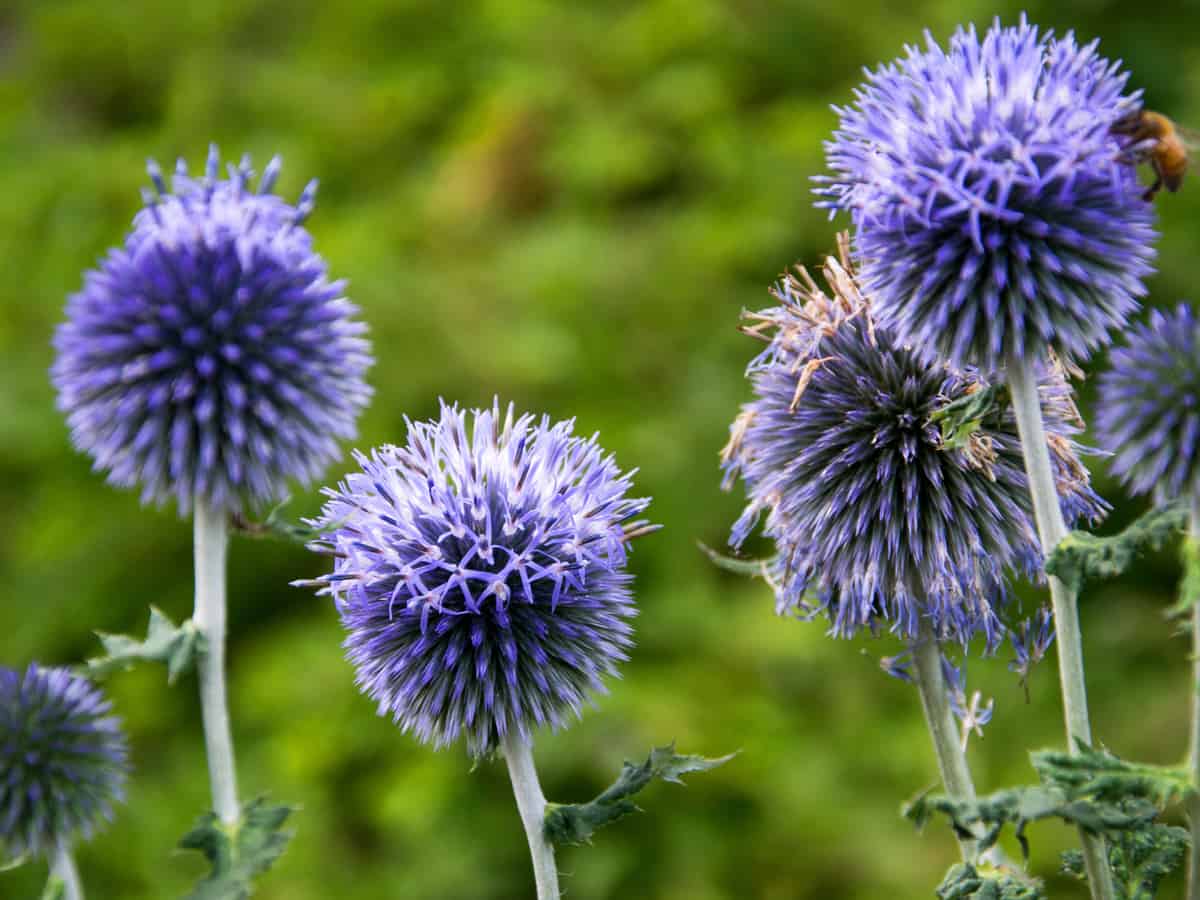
(1155, 139)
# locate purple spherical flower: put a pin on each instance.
(63, 759)
(1149, 411)
(875, 518)
(210, 358)
(481, 574)
(995, 212)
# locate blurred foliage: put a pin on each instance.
(566, 205)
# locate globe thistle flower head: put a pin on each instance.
(1149, 417)
(877, 521)
(480, 574)
(210, 357)
(63, 756)
(996, 214)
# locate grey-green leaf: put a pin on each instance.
(754, 568)
(961, 418)
(237, 854)
(965, 881)
(1139, 860)
(575, 823)
(176, 646)
(1081, 555)
(56, 889)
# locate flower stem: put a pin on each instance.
(935, 700)
(518, 753)
(1194, 750)
(63, 865)
(1022, 382)
(211, 538)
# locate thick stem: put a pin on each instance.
(1022, 382)
(935, 700)
(1194, 749)
(210, 542)
(63, 865)
(518, 753)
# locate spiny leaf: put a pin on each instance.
(755, 568)
(961, 418)
(964, 881)
(276, 526)
(1081, 555)
(56, 889)
(1139, 860)
(1099, 775)
(1189, 586)
(174, 645)
(575, 823)
(237, 853)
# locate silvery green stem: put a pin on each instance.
(63, 865)
(518, 753)
(1022, 382)
(935, 700)
(211, 539)
(1194, 749)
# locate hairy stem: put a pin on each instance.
(1022, 382)
(1194, 749)
(211, 538)
(935, 701)
(518, 753)
(63, 865)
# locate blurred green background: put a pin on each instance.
(566, 205)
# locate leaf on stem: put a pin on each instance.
(1189, 586)
(965, 881)
(1081, 555)
(961, 418)
(176, 646)
(575, 823)
(240, 853)
(56, 889)
(1139, 859)
(278, 527)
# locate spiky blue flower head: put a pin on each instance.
(877, 520)
(210, 357)
(1149, 405)
(63, 759)
(480, 574)
(995, 213)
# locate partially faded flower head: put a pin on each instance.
(210, 358)
(1149, 406)
(480, 574)
(877, 521)
(63, 759)
(996, 214)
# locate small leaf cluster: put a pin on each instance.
(966, 881)
(239, 853)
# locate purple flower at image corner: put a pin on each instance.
(995, 213)
(1149, 405)
(480, 574)
(63, 757)
(210, 357)
(875, 521)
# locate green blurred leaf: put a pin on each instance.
(1189, 585)
(575, 823)
(276, 526)
(754, 568)
(56, 889)
(176, 646)
(965, 881)
(237, 854)
(1081, 555)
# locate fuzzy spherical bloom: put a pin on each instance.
(996, 214)
(876, 520)
(210, 358)
(63, 759)
(1149, 410)
(481, 575)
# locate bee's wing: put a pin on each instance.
(1189, 136)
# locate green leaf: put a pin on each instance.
(755, 568)
(575, 823)
(276, 526)
(1139, 860)
(174, 645)
(240, 853)
(1101, 776)
(961, 418)
(56, 889)
(1189, 586)
(1081, 555)
(965, 881)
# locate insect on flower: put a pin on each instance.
(1157, 140)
